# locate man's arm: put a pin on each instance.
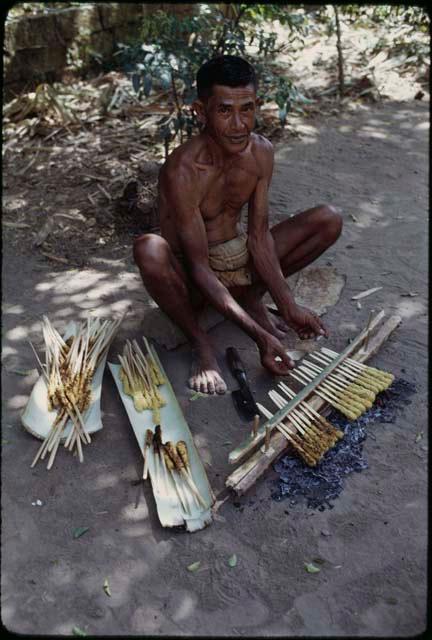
(182, 196)
(262, 249)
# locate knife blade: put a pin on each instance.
(242, 397)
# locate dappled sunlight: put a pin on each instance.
(18, 333)
(14, 309)
(184, 605)
(17, 402)
(410, 308)
(130, 513)
(8, 351)
(106, 480)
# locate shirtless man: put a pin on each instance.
(204, 255)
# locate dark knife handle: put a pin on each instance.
(235, 363)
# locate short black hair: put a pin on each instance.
(230, 71)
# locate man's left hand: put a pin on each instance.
(305, 323)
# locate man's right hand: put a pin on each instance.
(270, 348)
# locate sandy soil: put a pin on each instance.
(371, 162)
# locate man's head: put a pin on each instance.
(228, 71)
(226, 104)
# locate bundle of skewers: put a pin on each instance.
(309, 433)
(171, 471)
(352, 386)
(141, 378)
(68, 373)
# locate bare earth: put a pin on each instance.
(373, 164)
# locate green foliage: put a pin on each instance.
(171, 50)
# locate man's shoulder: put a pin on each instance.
(182, 158)
(263, 151)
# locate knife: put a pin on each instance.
(242, 397)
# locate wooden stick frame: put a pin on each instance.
(245, 476)
(249, 445)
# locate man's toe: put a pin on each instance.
(220, 385)
(210, 384)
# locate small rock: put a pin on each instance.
(325, 532)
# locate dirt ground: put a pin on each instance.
(372, 162)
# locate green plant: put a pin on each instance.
(171, 50)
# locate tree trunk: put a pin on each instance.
(340, 55)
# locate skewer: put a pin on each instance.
(293, 416)
(289, 436)
(147, 444)
(181, 496)
(373, 383)
(360, 365)
(255, 426)
(350, 389)
(319, 440)
(267, 439)
(341, 392)
(324, 386)
(328, 397)
(180, 467)
(299, 427)
(312, 412)
(349, 377)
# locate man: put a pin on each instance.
(204, 255)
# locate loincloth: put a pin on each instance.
(230, 261)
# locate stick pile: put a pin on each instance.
(308, 432)
(351, 388)
(68, 372)
(141, 377)
(172, 474)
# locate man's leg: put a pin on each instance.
(298, 242)
(167, 282)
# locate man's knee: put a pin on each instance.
(330, 223)
(150, 252)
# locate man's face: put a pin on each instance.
(229, 116)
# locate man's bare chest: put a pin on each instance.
(227, 191)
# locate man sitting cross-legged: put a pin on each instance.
(203, 254)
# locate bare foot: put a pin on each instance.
(257, 309)
(205, 372)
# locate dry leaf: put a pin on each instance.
(197, 395)
(353, 217)
(232, 561)
(410, 294)
(311, 568)
(363, 294)
(194, 566)
(359, 305)
(419, 436)
(106, 587)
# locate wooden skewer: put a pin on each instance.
(316, 437)
(297, 426)
(293, 415)
(255, 426)
(349, 388)
(146, 449)
(359, 365)
(179, 465)
(324, 386)
(342, 392)
(328, 397)
(289, 435)
(267, 439)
